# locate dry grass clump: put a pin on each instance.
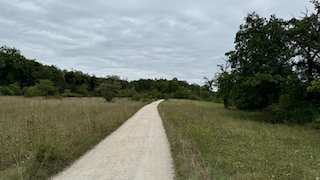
(39, 137)
(209, 142)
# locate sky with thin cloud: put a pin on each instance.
(133, 39)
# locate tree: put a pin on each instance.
(261, 60)
(225, 83)
(11, 62)
(305, 38)
(109, 90)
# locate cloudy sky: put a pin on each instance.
(133, 38)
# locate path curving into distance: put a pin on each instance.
(139, 149)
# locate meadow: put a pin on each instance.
(39, 137)
(210, 142)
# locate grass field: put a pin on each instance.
(39, 137)
(209, 142)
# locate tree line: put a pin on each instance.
(22, 76)
(275, 67)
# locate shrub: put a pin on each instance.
(205, 95)
(109, 90)
(43, 88)
(136, 97)
(315, 124)
(83, 90)
(15, 88)
(7, 91)
(68, 93)
(166, 96)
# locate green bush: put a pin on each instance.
(275, 113)
(292, 112)
(315, 124)
(109, 90)
(166, 96)
(15, 88)
(83, 90)
(206, 96)
(7, 91)
(68, 93)
(43, 88)
(136, 97)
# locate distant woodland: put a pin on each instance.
(20, 76)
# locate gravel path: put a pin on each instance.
(139, 149)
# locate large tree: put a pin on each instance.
(305, 39)
(261, 62)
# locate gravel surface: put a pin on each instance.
(139, 149)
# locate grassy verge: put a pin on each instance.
(209, 142)
(39, 137)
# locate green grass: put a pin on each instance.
(209, 142)
(39, 137)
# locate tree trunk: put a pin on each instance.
(225, 102)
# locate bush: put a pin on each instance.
(166, 96)
(7, 91)
(275, 113)
(109, 90)
(15, 88)
(292, 112)
(43, 88)
(303, 113)
(68, 93)
(205, 95)
(315, 124)
(83, 90)
(136, 97)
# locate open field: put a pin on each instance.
(39, 137)
(209, 142)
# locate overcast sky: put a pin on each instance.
(133, 38)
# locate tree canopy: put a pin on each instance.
(274, 59)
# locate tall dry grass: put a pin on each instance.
(209, 142)
(39, 137)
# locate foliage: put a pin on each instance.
(136, 97)
(314, 85)
(16, 70)
(15, 88)
(43, 88)
(225, 85)
(83, 90)
(68, 93)
(6, 91)
(274, 58)
(305, 38)
(109, 90)
(262, 57)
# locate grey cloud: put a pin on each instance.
(132, 38)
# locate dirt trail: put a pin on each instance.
(139, 149)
